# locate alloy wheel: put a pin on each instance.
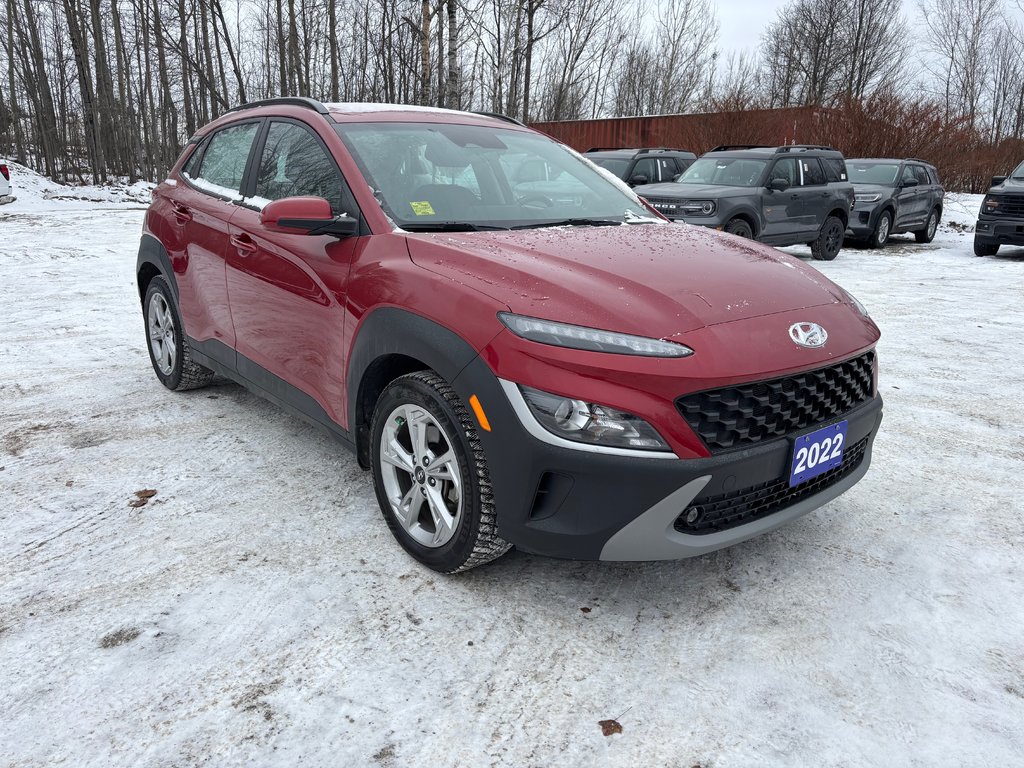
(421, 475)
(161, 334)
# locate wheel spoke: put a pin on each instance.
(165, 357)
(409, 507)
(443, 520)
(394, 454)
(418, 433)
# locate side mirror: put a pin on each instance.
(306, 216)
(909, 183)
(778, 185)
(638, 180)
(997, 180)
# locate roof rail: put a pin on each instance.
(804, 148)
(918, 160)
(607, 149)
(500, 116)
(284, 101)
(661, 149)
(733, 147)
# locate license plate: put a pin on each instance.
(817, 452)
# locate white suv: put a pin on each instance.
(5, 179)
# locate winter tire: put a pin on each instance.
(927, 234)
(983, 248)
(740, 228)
(830, 240)
(882, 231)
(431, 477)
(168, 350)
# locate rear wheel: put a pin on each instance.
(927, 234)
(431, 477)
(882, 230)
(168, 350)
(830, 240)
(985, 248)
(740, 228)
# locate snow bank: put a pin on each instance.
(36, 193)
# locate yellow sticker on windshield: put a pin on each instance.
(422, 209)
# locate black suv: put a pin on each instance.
(642, 166)
(1001, 220)
(778, 195)
(893, 197)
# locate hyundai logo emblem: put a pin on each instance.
(808, 334)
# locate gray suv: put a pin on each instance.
(893, 197)
(642, 166)
(778, 195)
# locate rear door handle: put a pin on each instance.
(181, 213)
(244, 244)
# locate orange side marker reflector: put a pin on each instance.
(478, 409)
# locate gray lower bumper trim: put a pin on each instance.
(653, 537)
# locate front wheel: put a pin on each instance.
(830, 240)
(882, 229)
(985, 248)
(431, 476)
(740, 228)
(927, 234)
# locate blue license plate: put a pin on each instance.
(817, 452)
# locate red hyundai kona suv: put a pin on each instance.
(519, 349)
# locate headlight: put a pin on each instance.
(868, 197)
(589, 339)
(698, 207)
(584, 422)
(860, 307)
(990, 204)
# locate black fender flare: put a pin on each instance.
(391, 342)
(153, 256)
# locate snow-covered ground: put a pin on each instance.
(256, 611)
(32, 192)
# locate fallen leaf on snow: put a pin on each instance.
(610, 727)
(146, 493)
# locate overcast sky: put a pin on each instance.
(743, 21)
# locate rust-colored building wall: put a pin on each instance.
(697, 133)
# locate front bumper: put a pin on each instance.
(863, 220)
(565, 502)
(999, 231)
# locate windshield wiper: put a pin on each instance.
(571, 223)
(450, 226)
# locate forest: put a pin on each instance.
(92, 90)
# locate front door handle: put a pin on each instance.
(181, 213)
(244, 244)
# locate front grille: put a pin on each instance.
(749, 413)
(666, 205)
(710, 514)
(1010, 206)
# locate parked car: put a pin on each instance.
(894, 197)
(5, 179)
(778, 195)
(572, 378)
(642, 166)
(1001, 220)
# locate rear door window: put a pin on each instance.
(835, 168)
(813, 175)
(223, 163)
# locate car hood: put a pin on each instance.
(880, 188)
(1010, 185)
(649, 279)
(691, 191)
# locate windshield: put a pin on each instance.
(431, 176)
(1019, 173)
(616, 165)
(724, 171)
(873, 173)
